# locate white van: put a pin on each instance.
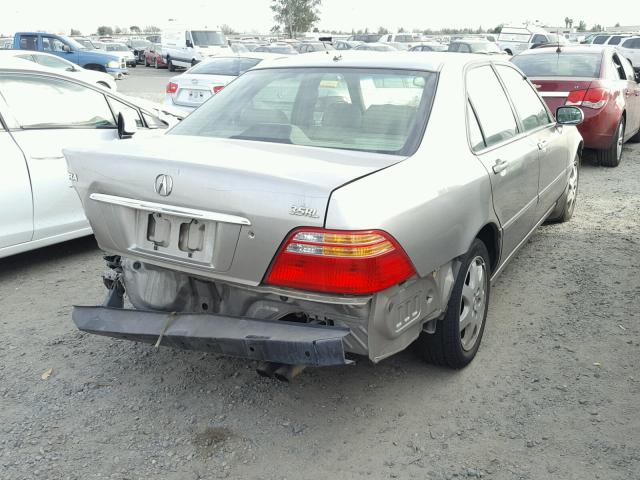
(184, 47)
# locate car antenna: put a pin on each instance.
(558, 50)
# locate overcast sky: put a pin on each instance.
(247, 15)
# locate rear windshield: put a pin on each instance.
(372, 110)
(484, 47)
(554, 64)
(225, 66)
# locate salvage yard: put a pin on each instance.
(553, 392)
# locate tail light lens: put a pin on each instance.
(217, 88)
(342, 262)
(592, 98)
(172, 87)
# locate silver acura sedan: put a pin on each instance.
(325, 207)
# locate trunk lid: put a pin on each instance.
(195, 89)
(209, 207)
(555, 91)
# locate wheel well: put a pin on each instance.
(491, 239)
(95, 66)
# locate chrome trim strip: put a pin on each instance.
(169, 209)
(554, 94)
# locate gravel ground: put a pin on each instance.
(552, 394)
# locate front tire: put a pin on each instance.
(611, 156)
(567, 203)
(458, 335)
(170, 65)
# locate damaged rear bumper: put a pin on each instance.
(266, 340)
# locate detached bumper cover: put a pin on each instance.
(267, 340)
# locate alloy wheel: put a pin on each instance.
(473, 303)
(620, 139)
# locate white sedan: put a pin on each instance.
(42, 112)
(49, 61)
(192, 88)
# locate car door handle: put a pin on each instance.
(49, 157)
(500, 166)
(542, 145)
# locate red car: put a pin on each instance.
(599, 81)
(153, 57)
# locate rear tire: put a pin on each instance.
(170, 65)
(458, 335)
(146, 63)
(567, 203)
(611, 156)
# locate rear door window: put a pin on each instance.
(600, 39)
(491, 105)
(28, 42)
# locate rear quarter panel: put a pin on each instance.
(435, 202)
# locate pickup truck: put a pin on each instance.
(73, 51)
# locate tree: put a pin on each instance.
(566, 22)
(104, 31)
(151, 29)
(401, 30)
(617, 24)
(75, 33)
(582, 26)
(117, 30)
(134, 29)
(382, 31)
(315, 30)
(227, 30)
(596, 28)
(497, 29)
(570, 23)
(296, 15)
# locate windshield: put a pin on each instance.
(86, 43)
(484, 47)
(354, 109)
(116, 47)
(205, 38)
(73, 44)
(552, 64)
(514, 37)
(140, 43)
(231, 66)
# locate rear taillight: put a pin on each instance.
(592, 98)
(217, 88)
(172, 87)
(342, 262)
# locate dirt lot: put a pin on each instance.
(553, 393)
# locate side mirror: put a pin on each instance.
(569, 115)
(127, 125)
(189, 44)
(66, 49)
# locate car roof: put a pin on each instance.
(572, 49)
(400, 60)
(13, 53)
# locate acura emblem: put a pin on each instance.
(164, 185)
(194, 81)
